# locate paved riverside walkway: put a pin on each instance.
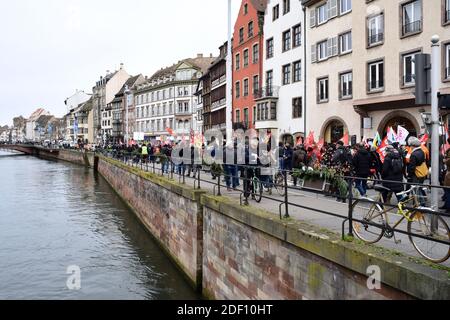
(308, 200)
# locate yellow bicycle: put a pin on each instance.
(373, 223)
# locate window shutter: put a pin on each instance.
(334, 46)
(312, 18)
(329, 49)
(313, 53)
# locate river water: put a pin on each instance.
(57, 217)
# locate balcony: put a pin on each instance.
(218, 104)
(267, 92)
(412, 27)
(376, 38)
(218, 82)
(183, 112)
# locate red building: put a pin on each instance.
(247, 63)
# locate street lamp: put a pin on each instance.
(126, 92)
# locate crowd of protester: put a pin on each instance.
(401, 163)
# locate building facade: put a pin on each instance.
(280, 102)
(360, 69)
(247, 63)
(104, 92)
(122, 100)
(167, 102)
(213, 86)
(31, 124)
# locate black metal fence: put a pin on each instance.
(163, 166)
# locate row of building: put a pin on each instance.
(332, 67)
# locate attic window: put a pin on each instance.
(245, 9)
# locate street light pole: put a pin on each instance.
(127, 92)
(435, 81)
(229, 95)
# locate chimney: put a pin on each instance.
(200, 55)
(121, 66)
(210, 55)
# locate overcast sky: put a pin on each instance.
(50, 48)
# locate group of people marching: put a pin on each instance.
(397, 164)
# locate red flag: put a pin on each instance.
(424, 139)
(318, 150)
(382, 149)
(345, 139)
(170, 131)
(309, 140)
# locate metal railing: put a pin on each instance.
(287, 194)
(376, 38)
(412, 27)
(267, 92)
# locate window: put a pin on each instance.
(255, 84)
(322, 49)
(246, 117)
(345, 42)
(241, 35)
(269, 45)
(412, 17)
(322, 90)
(245, 87)
(375, 27)
(297, 109)
(238, 116)
(346, 6)
(286, 74)
(246, 58)
(297, 71)
(256, 53)
(447, 61)
(322, 14)
(245, 9)
(297, 35)
(376, 76)
(286, 6)
(238, 61)
(276, 12)
(447, 11)
(286, 40)
(269, 80)
(250, 29)
(408, 69)
(346, 85)
(238, 89)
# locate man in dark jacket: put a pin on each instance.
(392, 171)
(362, 162)
(416, 160)
(298, 160)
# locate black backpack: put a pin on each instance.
(397, 165)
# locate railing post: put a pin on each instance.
(246, 186)
(286, 197)
(350, 207)
(199, 178)
(218, 185)
(184, 174)
(154, 168)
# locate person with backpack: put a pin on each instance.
(392, 172)
(362, 162)
(417, 170)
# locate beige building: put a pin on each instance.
(361, 69)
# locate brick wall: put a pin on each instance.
(170, 212)
(244, 263)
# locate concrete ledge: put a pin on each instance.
(172, 185)
(416, 277)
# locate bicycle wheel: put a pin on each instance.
(257, 189)
(369, 213)
(279, 183)
(420, 224)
